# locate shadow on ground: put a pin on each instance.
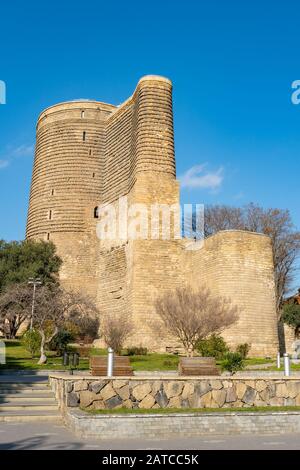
(40, 442)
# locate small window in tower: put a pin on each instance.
(83, 136)
(96, 213)
(52, 192)
(82, 114)
(94, 174)
(50, 215)
(90, 152)
(48, 236)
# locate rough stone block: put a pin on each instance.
(173, 389)
(161, 398)
(80, 385)
(96, 387)
(282, 391)
(240, 389)
(140, 391)
(201, 388)
(124, 392)
(230, 395)
(72, 399)
(216, 384)
(107, 392)
(147, 402)
(114, 402)
(174, 402)
(119, 383)
(188, 390)
(249, 396)
(87, 397)
(219, 397)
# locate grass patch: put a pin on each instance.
(18, 358)
(142, 411)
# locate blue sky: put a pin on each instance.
(232, 65)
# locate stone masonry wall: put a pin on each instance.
(90, 153)
(181, 392)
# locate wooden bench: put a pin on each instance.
(198, 366)
(122, 366)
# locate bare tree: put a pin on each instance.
(15, 308)
(54, 307)
(115, 330)
(191, 316)
(275, 223)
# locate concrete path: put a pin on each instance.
(38, 435)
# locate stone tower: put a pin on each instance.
(88, 154)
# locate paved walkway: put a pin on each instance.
(54, 436)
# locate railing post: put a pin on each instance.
(278, 360)
(286, 361)
(110, 363)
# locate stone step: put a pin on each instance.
(25, 390)
(24, 416)
(5, 398)
(12, 383)
(28, 406)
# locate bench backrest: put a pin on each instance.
(102, 361)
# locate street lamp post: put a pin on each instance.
(33, 282)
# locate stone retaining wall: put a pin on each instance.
(182, 392)
(180, 425)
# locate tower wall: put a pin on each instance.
(89, 153)
(66, 186)
(239, 265)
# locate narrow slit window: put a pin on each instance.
(48, 236)
(94, 174)
(90, 152)
(84, 136)
(52, 192)
(82, 114)
(50, 214)
(96, 213)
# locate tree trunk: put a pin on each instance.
(43, 357)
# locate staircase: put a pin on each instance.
(27, 398)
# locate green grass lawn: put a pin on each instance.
(18, 358)
(142, 411)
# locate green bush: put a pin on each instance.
(243, 349)
(31, 341)
(214, 346)
(232, 362)
(137, 351)
(60, 342)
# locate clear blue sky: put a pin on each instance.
(232, 65)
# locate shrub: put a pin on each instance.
(84, 351)
(32, 342)
(60, 342)
(214, 346)
(232, 362)
(137, 351)
(243, 349)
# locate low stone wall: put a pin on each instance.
(182, 392)
(184, 425)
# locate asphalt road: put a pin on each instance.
(54, 436)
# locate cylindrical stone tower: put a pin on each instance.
(66, 185)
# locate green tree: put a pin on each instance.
(22, 260)
(291, 316)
